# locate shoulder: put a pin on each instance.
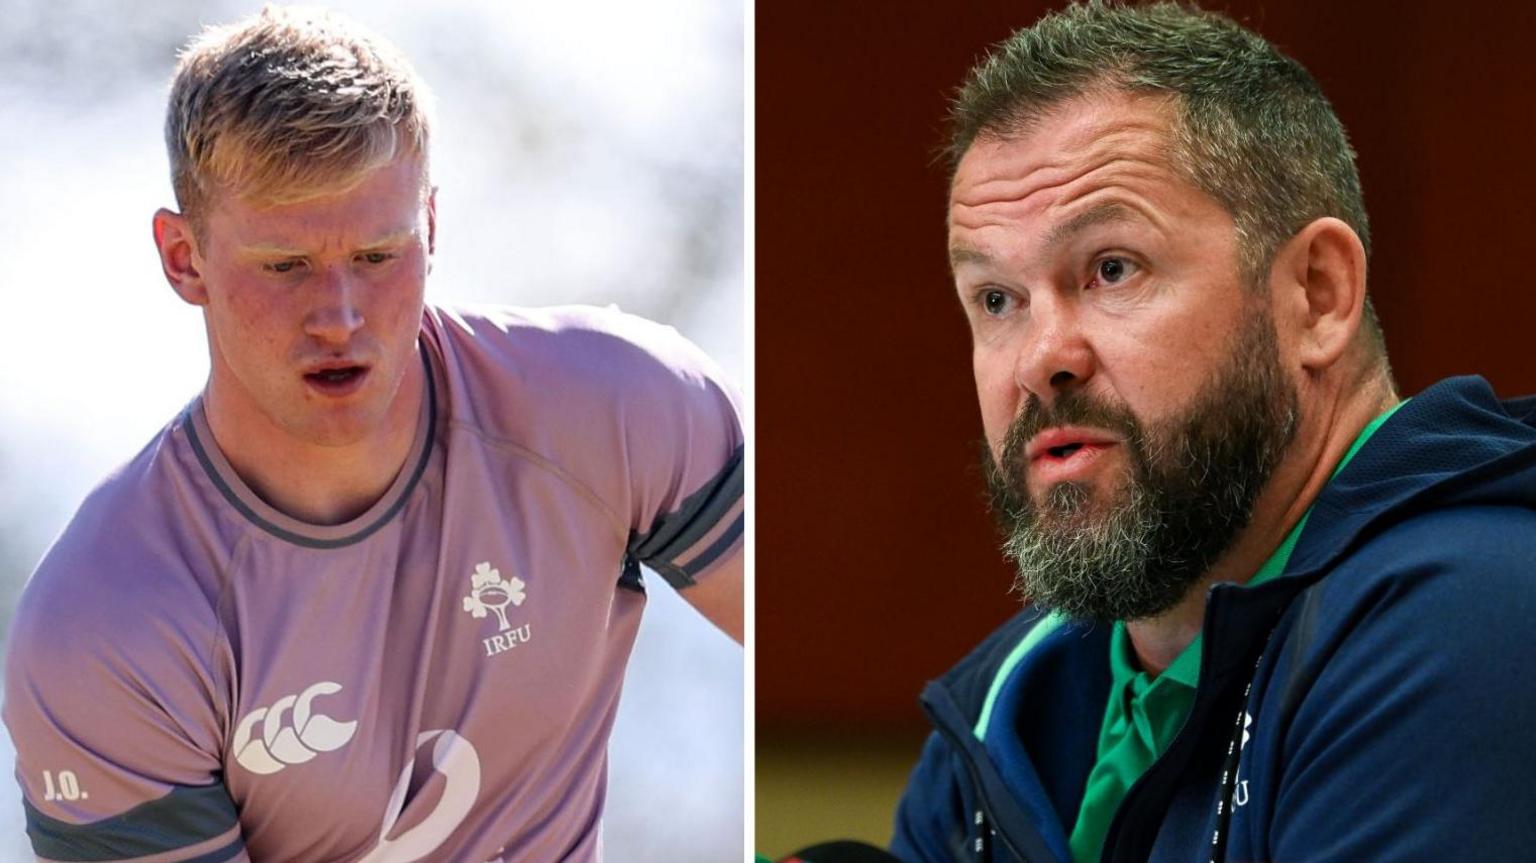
(623, 408)
(934, 819)
(1426, 612)
(579, 381)
(582, 349)
(1463, 561)
(131, 572)
(1408, 669)
(116, 643)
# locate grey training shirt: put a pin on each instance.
(193, 675)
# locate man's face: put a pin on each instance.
(1131, 386)
(313, 308)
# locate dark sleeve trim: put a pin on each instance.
(685, 576)
(228, 852)
(717, 548)
(676, 532)
(184, 817)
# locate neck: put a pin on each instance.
(1318, 448)
(317, 483)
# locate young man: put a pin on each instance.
(1276, 602)
(371, 595)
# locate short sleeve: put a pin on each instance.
(109, 706)
(686, 458)
(628, 411)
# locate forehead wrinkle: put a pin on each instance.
(1123, 205)
(1005, 210)
(1077, 151)
(1119, 209)
(1110, 156)
(1005, 199)
(1017, 190)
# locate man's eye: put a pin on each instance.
(283, 266)
(1112, 271)
(995, 302)
(376, 257)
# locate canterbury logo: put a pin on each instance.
(293, 743)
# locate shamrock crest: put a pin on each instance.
(488, 592)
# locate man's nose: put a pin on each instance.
(1054, 354)
(336, 314)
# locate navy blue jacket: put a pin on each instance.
(1392, 715)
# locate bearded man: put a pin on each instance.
(1273, 601)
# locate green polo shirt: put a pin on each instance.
(1144, 712)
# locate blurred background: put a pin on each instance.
(585, 152)
(876, 562)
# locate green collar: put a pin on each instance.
(1185, 668)
(1144, 713)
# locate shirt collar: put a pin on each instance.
(1185, 668)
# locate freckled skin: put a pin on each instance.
(1147, 339)
(266, 327)
(339, 277)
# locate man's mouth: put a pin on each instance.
(337, 375)
(337, 380)
(1066, 454)
(1063, 441)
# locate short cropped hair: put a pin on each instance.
(1252, 128)
(289, 104)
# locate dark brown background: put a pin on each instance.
(876, 566)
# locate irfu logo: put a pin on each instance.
(488, 592)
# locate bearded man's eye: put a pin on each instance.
(1112, 271)
(995, 302)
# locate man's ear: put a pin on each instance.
(178, 256)
(1321, 271)
(431, 226)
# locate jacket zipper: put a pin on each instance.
(984, 807)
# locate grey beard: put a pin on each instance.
(1090, 568)
(1189, 491)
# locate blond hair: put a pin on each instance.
(289, 104)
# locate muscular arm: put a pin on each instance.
(117, 746)
(720, 598)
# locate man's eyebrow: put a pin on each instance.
(274, 250)
(392, 238)
(1104, 213)
(1099, 214)
(966, 255)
